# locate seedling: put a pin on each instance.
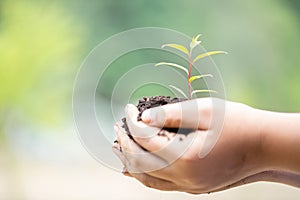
(195, 42)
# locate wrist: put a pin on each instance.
(247, 131)
(280, 141)
(253, 143)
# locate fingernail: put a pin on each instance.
(148, 116)
(116, 145)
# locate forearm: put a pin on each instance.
(287, 178)
(280, 141)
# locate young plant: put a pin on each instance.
(195, 42)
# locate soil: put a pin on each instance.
(155, 101)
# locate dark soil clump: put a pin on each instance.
(155, 101)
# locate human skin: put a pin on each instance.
(254, 145)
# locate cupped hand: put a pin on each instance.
(170, 161)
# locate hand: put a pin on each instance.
(173, 163)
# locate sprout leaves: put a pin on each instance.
(203, 55)
(199, 76)
(201, 91)
(173, 65)
(178, 47)
(195, 42)
(178, 90)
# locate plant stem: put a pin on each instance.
(189, 74)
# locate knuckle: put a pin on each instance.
(187, 160)
(175, 121)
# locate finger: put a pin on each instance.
(125, 143)
(155, 183)
(145, 135)
(284, 177)
(193, 114)
(164, 144)
(125, 172)
(250, 179)
(138, 128)
(119, 154)
(141, 161)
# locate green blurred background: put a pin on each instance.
(43, 43)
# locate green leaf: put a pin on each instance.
(173, 65)
(195, 41)
(201, 91)
(178, 90)
(199, 76)
(177, 46)
(208, 54)
(197, 37)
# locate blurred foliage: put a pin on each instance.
(294, 4)
(262, 67)
(42, 44)
(38, 48)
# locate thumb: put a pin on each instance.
(193, 114)
(138, 129)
